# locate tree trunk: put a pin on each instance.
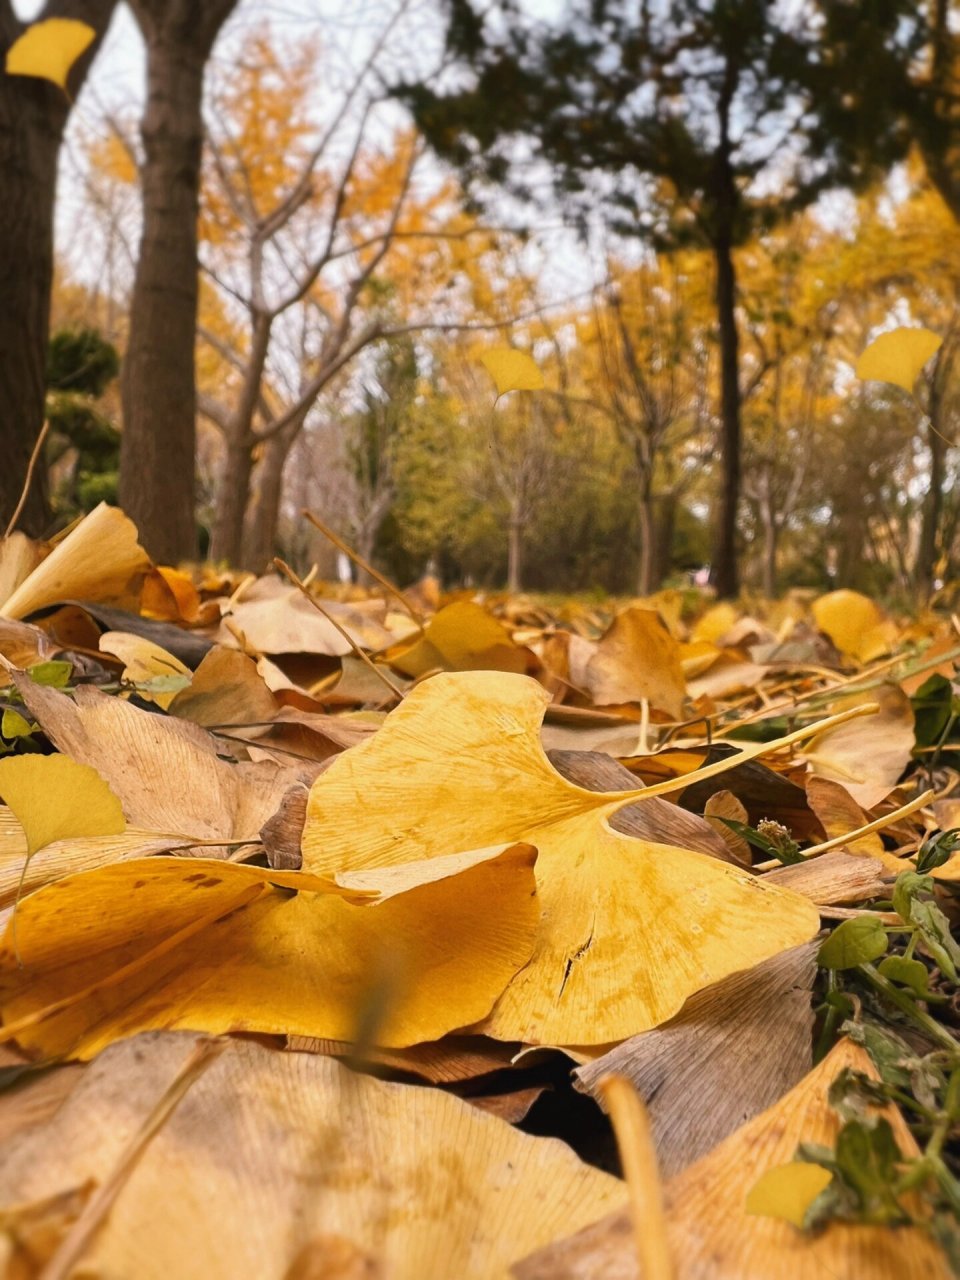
(514, 552)
(263, 509)
(33, 114)
(770, 539)
(226, 539)
(158, 386)
(648, 552)
(725, 568)
(664, 525)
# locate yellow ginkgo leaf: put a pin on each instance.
(54, 798)
(512, 370)
(461, 636)
(787, 1191)
(143, 662)
(847, 617)
(898, 356)
(629, 928)
(214, 946)
(49, 49)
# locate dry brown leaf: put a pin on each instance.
(724, 804)
(868, 759)
(637, 660)
(166, 772)
(720, 1052)
(226, 689)
(272, 618)
(291, 1148)
(832, 879)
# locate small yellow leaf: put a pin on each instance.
(898, 356)
(846, 617)
(55, 798)
(49, 49)
(787, 1191)
(511, 370)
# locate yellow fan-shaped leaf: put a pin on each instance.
(218, 946)
(847, 617)
(512, 370)
(462, 636)
(54, 798)
(49, 49)
(787, 1191)
(629, 928)
(898, 356)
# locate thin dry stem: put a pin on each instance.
(28, 480)
(638, 1156)
(377, 671)
(75, 1243)
(358, 559)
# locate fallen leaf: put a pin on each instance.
(630, 928)
(48, 49)
(832, 879)
(100, 559)
(787, 1191)
(724, 804)
(848, 618)
(511, 370)
(463, 636)
(719, 1050)
(55, 798)
(218, 946)
(898, 356)
(712, 1234)
(867, 760)
(293, 1149)
(637, 659)
(226, 689)
(145, 662)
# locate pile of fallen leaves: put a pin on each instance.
(349, 932)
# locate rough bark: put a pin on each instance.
(157, 487)
(33, 115)
(514, 552)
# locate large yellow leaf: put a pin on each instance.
(218, 946)
(630, 928)
(511, 370)
(54, 798)
(49, 49)
(279, 1166)
(898, 356)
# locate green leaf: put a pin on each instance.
(858, 941)
(867, 1158)
(55, 675)
(908, 885)
(934, 929)
(909, 973)
(932, 708)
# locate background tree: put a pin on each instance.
(692, 113)
(157, 456)
(33, 116)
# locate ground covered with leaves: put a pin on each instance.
(351, 932)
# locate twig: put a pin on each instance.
(75, 1243)
(638, 1156)
(31, 466)
(377, 671)
(358, 559)
(878, 824)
